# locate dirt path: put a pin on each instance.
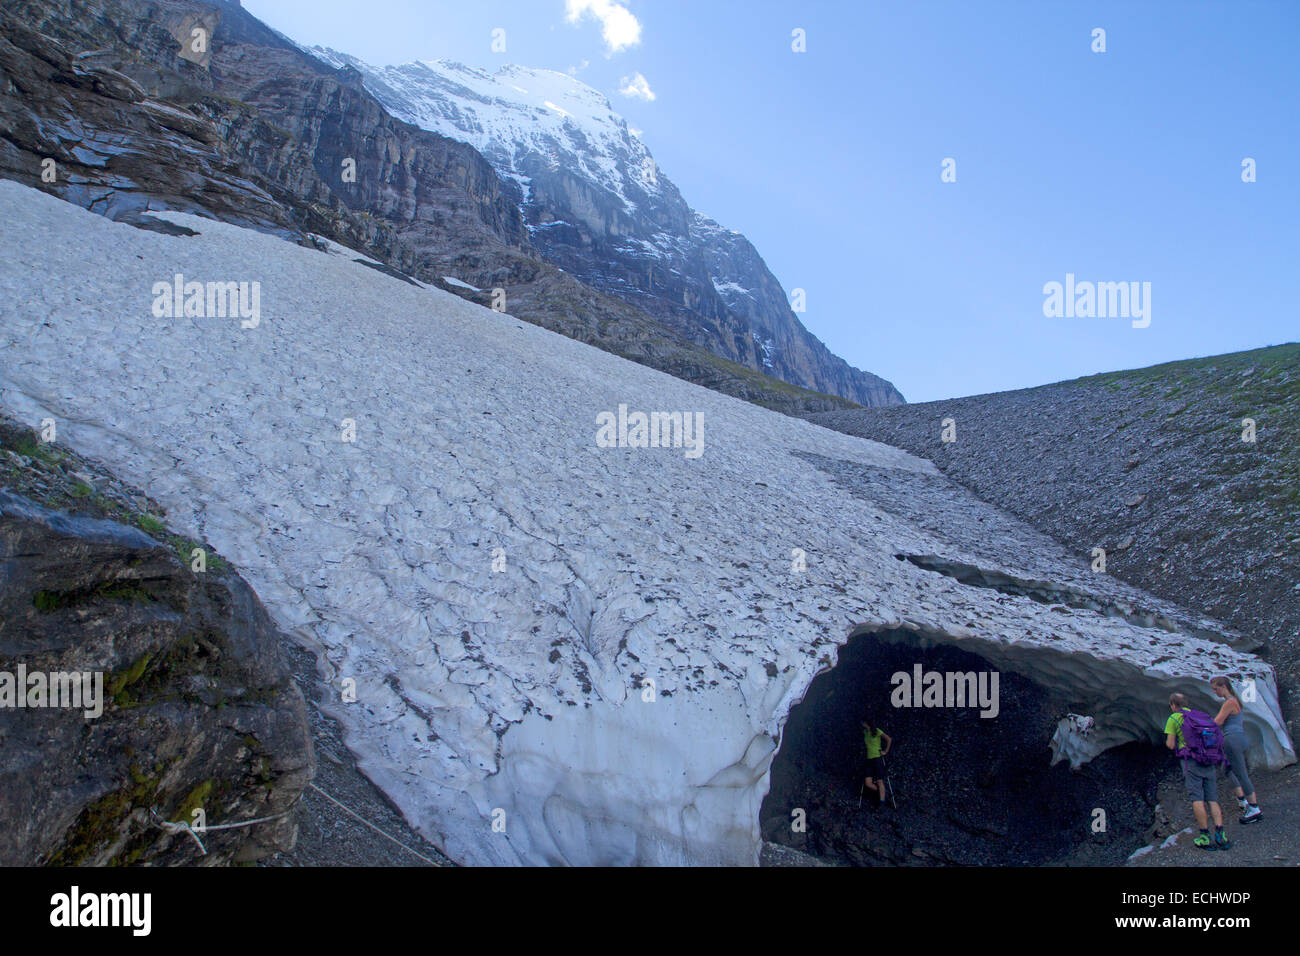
(1271, 841)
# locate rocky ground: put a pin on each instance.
(1150, 465)
(1271, 841)
(327, 834)
(1268, 842)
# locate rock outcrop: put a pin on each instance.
(548, 649)
(187, 705)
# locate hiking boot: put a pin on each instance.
(1221, 841)
(1252, 814)
(1203, 841)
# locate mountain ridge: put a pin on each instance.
(597, 205)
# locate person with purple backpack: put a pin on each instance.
(1197, 740)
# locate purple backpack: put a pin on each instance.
(1204, 739)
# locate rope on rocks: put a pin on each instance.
(171, 827)
(372, 826)
(182, 827)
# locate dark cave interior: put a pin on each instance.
(970, 790)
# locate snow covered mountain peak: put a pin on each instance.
(596, 205)
(522, 119)
(541, 84)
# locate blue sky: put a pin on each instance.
(1115, 166)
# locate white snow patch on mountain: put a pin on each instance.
(726, 289)
(708, 227)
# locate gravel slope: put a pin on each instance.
(1150, 465)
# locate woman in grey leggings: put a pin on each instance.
(1234, 743)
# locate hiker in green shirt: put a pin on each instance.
(1201, 780)
(878, 743)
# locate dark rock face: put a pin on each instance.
(1150, 465)
(677, 283)
(274, 162)
(199, 711)
(254, 131)
(115, 150)
(787, 349)
(970, 790)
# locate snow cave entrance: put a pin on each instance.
(970, 790)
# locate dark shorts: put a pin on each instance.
(875, 768)
(1202, 782)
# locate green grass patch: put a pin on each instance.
(150, 524)
(47, 452)
(184, 548)
(101, 823)
(193, 801)
(48, 601)
(120, 681)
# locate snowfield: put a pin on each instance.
(499, 588)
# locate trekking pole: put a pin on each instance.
(888, 785)
(861, 790)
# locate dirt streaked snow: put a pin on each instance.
(521, 690)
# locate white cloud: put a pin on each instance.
(636, 87)
(617, 24)
(575, 70)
